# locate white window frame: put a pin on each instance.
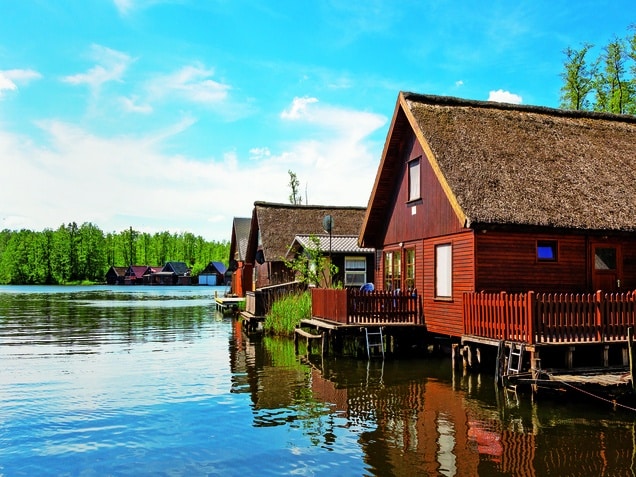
(353, 273)
(444, 271)
(415, 191)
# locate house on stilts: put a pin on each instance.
(514, 225)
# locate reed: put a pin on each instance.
(286, 313)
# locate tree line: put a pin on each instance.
(76, 254)
(606, 83)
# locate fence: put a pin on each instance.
(550, 317)
(365, 308)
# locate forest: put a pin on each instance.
(83, 254)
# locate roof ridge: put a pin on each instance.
(567, 113)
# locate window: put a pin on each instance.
(414, 179)
(605, 258)
(355, 271)
(392, 270)
(410, 269)
(443, 271)
(547, 250)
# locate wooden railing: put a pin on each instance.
(364, 308)
(259, 301)
(550, 317)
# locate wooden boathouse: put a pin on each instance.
(512, 224)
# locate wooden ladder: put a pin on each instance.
(515, 358)
(375, 339)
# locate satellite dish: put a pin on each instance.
(327, 223)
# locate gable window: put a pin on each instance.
(355, 271)
(414, 179)
(443, 271)
(410, 268)
(392, 270)
(547, 250)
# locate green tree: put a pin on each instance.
(295, 197)
(312, 267)
(578, 79)
(613, 89)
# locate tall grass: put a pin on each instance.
(287, 312)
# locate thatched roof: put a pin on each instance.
(240, 236)
(521, 165)
(280, 223)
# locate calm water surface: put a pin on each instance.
(141, 381)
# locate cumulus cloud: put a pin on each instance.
(501, 96)
(9, 79)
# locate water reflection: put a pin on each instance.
(84, 320)
(103, 382)
(419, 417)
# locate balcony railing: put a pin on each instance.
(550, 317)
(353, 307)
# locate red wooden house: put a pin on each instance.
(488, 197)
(241, 270)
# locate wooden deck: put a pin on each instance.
(228, 304)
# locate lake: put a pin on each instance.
(153, 381)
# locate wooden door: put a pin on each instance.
(606, 267)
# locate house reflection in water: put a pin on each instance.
(419, 418)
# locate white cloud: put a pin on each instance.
(298, 108)
(191, 83)
(501, 96)
(111, 66)
(9, 79)
(459, 83)
(121, 181)
(132, 106)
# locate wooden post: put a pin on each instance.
(599, 315)
(630, 347)
(530, 317)
(499, 363)
(569, 358)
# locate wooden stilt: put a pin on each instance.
(630, 347)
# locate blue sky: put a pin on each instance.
(178, 115)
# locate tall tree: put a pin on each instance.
(613, 88)
(578, 78)
(295, 197)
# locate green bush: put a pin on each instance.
(287, 312)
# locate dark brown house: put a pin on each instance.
(478, 196)
(116, 275)
(240, 269)
(354, 263)
(275, 226)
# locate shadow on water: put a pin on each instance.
(420, 417)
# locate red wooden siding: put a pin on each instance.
(507, 262)
(431, 216)
(446, 316)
